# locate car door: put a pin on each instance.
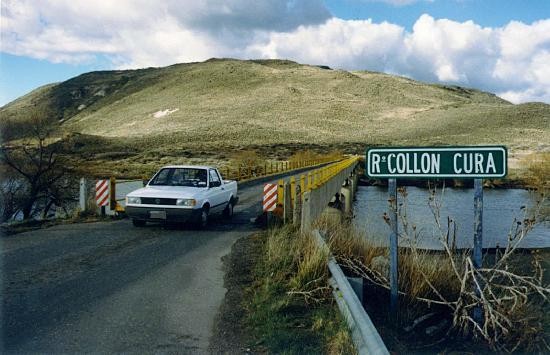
(216, 191)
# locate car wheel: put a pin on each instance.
(228, 211)
(138, 223)
(203, 219)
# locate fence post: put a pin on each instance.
(297, 210)
(287, 204)
(83, 203)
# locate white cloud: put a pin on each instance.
(513, 61)
(349, 44)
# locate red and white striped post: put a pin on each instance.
(270, 201)
(102, 194)
(270, 197)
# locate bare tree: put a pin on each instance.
(34, 160)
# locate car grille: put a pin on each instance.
(158, 201)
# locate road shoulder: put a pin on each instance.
(230, 335)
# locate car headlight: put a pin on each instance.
(133, 200)
(186, 202)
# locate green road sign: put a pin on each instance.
(437, 162)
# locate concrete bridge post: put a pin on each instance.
(83, 198)
(297, 210)
(287, 203)
(305, 223)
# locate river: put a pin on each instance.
(501, 206)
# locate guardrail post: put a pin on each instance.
(287, 203)
(83, 197)
(297, 210)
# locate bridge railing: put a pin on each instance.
(243, 172)
(119, 188)
(303, 199)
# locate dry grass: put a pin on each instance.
(511, 287)
(538, 169)
(292, 311)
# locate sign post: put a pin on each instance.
(394, 262)
(477, 163)
(477, 255)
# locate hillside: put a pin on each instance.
(233, 104)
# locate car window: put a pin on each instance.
(214, 178)
(180, 177)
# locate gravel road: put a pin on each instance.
(111, 287)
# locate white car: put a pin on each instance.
(182, 193)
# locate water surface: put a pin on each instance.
(502, 210)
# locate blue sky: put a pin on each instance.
(500, 46)
(490, 13)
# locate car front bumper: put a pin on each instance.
(156, 214)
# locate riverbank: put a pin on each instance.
(436, 296)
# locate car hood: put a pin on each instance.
(168, 192)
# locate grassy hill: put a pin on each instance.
(226, 104)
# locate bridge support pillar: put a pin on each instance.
(351, 186)
(346, 194)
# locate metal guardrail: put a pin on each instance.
(365, 337)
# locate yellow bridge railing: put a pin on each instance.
(252, 171)
(315, 178)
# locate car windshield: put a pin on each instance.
(180, 177)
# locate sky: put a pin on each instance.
(501, 46)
